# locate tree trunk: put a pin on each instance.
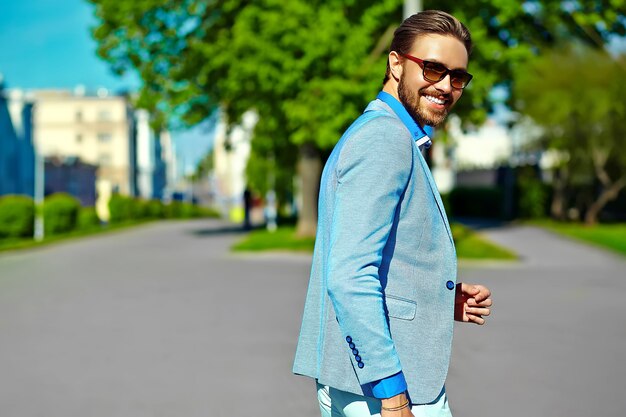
(309, 171)
(557, 207)
(608, 194)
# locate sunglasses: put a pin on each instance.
(435, 72)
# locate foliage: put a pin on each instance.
(124, 209)
(155, 209)
(532, 194)
(88, 219)
(577, 96)
(204, 167)
(180, 210)
(206, 212)
(308, 67)
(121, 208)
(17, 216)
(60, 213)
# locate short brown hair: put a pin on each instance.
(423, 23)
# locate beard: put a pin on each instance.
(420, 113)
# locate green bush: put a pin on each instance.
(155, 209)
(60, 213)
(207, 212)
(173, 210)
(88, 219)
(140, 209)
(181, 210)
(188, 211)
(17, 215)
(122, 208)
(486, 202)
(532, 200)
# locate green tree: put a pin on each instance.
(577, 96)
(204, 167)
(309, 67)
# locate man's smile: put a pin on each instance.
(438, 102)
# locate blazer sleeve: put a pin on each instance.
(372, 171)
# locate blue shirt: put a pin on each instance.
(396, 384)
(420, 134)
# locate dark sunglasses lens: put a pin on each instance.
(434, 71)
(459, 79)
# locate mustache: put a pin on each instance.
(435, 93)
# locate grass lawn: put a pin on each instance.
(469, 244)
(284, 238)
(610, 236)
(16, 244)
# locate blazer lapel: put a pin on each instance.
(435, 191)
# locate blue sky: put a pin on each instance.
(47, 44)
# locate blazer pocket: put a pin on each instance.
(400, 308)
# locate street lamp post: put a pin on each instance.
(39, 193)
(411, 7)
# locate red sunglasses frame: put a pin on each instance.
(423, 63)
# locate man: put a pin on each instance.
(378, 320)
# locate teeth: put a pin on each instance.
(435, 100)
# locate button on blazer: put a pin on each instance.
(381, 291)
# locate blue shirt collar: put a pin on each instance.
(420, 134)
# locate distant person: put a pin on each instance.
(378, 320)
(247, 209)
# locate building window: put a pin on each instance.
(79, 116)
(104, 137)
(104, 115)
(104, 160)
(79, 138)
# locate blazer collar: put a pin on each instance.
(420, 134)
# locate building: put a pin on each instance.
(72, 176)
(471, 157)
(104, 130)
(97, 129)
(17, 156)
(231, 151)
(153, 152)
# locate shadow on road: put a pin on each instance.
(222, 230)
(481, 223)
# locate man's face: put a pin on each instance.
(430, 102)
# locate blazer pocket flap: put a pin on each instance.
(400, 308)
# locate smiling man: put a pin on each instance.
(378, 320)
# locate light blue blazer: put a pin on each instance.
(382, 286)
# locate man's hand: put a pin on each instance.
(393, 402)
(472, 303)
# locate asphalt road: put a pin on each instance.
(555, 344)
(162, 320)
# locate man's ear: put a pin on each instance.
(395, 65)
